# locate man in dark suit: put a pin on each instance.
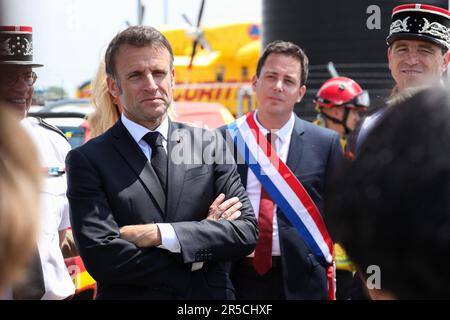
(142, 194)
(311, 153)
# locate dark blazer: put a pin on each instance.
(112, 184)
(314, 154)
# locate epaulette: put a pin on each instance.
(48, 126)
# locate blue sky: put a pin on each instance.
(70, 36)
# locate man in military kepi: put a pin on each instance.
(48, 277)
(418, 52)
(419, 40)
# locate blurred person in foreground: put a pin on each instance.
(20, 178)
(390, 207)
(147, 196)
(418, 52)
(49, 277)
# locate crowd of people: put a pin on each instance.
(163, 210)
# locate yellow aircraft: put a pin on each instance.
(222, 69)
(218, 70)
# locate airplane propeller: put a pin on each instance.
(186, 18)
(197, 34)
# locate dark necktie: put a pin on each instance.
(263, 252)
(159, 156)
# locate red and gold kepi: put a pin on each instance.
(16, 46)
(420, 22)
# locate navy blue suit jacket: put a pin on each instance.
(314, 155)
(112, 184)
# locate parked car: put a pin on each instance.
(35, 108)
(69, 116)
(83, 106)
(74, 125)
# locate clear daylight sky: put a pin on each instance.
(70, 36)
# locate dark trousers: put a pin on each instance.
(249, 285)
(358, 289)
(344, 280)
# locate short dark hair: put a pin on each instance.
(391, 206)
(289, 49)
(137, 36)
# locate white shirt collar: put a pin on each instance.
(283, 133)
(137, 131)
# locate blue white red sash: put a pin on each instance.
(284, 188)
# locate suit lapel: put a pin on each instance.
(134, 156)
(175, 171)
(242, 169)
(296, 145)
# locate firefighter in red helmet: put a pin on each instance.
(340, 102)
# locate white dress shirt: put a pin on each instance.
(282, 142)
(169, 239)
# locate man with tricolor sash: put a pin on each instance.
(284, 163)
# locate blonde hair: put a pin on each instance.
(107, 110)
(19, 198)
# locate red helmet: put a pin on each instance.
(342, 91)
